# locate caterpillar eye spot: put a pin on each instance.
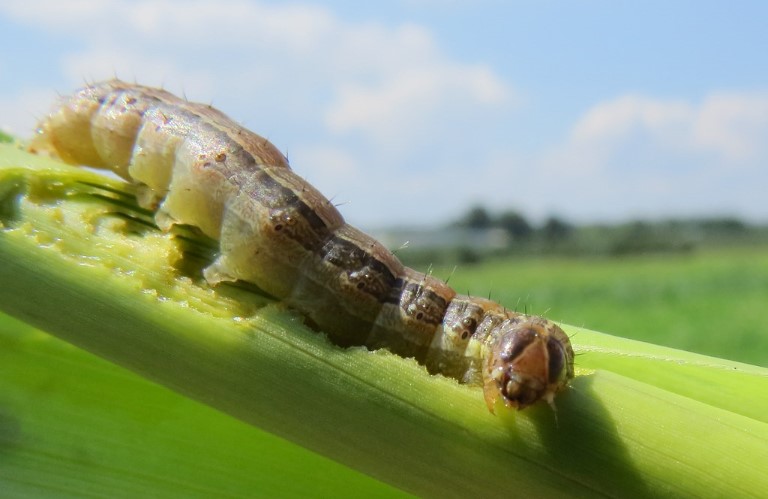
(215, 171)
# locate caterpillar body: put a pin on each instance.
(195, 166)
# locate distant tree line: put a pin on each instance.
(512, 222)
(556, 236)
(515, 224)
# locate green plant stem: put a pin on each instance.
(639, 419)
(74, 425)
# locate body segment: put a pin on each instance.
(195, 166)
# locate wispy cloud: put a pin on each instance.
(731, 126)
(630, 114)
(343, 70)
(735, 126)
(376, 96)
(411, 102)
(650, 156)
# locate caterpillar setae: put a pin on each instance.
(195, 166)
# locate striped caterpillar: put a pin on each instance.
(195, 166)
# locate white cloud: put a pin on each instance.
(382, 82)
(411, 100)
(355, 104)
(631, 113)
(600, 139)
(149, 69)
(648, 156)
(733, 125)
(332, 169)
(175, 22)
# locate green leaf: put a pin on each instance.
(83, 263)
(74, 425)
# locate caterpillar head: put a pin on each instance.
(530, 360)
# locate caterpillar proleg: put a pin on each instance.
(195, 166)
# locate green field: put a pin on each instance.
(713, 302)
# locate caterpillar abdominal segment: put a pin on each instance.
(195, 166)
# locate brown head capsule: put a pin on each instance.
(530, 360)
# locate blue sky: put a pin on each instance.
(410, 111)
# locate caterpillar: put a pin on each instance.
(193, 165)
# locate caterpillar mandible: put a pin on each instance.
(195, 166)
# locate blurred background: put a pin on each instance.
(601, 162)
